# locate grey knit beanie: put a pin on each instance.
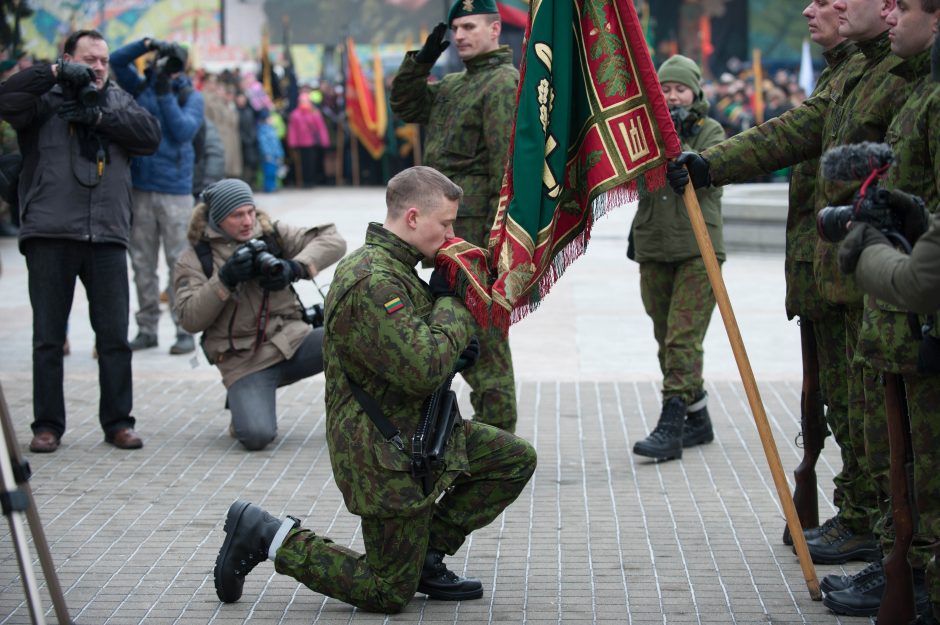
(224, 197)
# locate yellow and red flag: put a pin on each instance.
(361, 109)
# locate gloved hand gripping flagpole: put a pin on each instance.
(750, 388)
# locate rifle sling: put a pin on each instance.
(371, 407)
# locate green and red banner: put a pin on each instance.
(590, 119)
(514, 12)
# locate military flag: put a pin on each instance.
(590, 120)
(514, 12)
(361, 111)
(758, 70)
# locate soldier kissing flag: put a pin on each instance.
(590, 119)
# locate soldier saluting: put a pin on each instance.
(468, 116)
(391, 340)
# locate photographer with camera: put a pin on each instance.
(163, 183)
(392, 340)
(77, 133)
(233, 285)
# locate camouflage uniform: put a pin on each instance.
(377, 299)
(857, 106)
(469, 116)
(886, 342)
(803, 298)
(674, 286)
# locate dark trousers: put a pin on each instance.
(53, 266)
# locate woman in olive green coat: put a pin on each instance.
(673, 284)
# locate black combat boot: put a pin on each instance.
(249, 531)
(698, 426)
(839, 544)
(831, 583)
(665, 441)
(439, 582)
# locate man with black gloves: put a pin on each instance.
(391, 341)
(163, 183)
(232, 285)
(77, 133)
(468, 116)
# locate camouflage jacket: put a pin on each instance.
(387, 333)
(858, 105)
(661, 229)
(469, 118)
(914, 136)
(801, 217)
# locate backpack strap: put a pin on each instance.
(204, 252)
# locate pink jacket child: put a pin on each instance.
(306, 127)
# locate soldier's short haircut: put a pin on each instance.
(72, 42)
(419, 186)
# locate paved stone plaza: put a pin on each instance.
(599, 535)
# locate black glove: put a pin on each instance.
(912, 212)
(469, 355)
(161, 47)
(75, 75)
(860, 236)
(434, 46)
(162, 83)
(440, 286)
(75, 112)
(239, 267)
(290, 271)
(697, 169)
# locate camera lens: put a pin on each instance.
(89, 95)
(831, 222)
(267, 264)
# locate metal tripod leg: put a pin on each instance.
(18, 499)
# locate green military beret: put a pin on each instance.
(462, 8)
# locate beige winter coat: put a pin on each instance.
(229, 319)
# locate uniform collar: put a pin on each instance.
(915, 67)
(500, 56)
(839, 53)
(378, 236)
(877, 47)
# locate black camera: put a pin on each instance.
(874, 208)
(264, 262)
(866, 162)
(314, 315)
(88, 96)
(171, 58)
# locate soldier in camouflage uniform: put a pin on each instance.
(802, 297)
(858, 105)
(886, 341)
(394, 340)
(468, 116)
(673, 283)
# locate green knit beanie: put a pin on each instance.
(683, 70)
(462, 8)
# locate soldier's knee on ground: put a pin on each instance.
(255, 438)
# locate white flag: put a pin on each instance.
(807, 82)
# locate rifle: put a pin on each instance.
(897, 603)
(813, 431)
(438, 417)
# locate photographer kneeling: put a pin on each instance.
(232, 284)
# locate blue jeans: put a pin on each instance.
(53, 266)
(251, 398)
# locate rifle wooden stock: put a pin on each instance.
(813, 434)
(897, 603)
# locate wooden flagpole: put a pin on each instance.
(750, 388)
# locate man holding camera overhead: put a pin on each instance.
(162, 182)
(77, 133)
(232, 284)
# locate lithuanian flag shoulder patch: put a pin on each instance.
(394, 305)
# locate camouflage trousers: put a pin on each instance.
(866, 423)
(679, 300)
(492, 382)
(385, 577)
